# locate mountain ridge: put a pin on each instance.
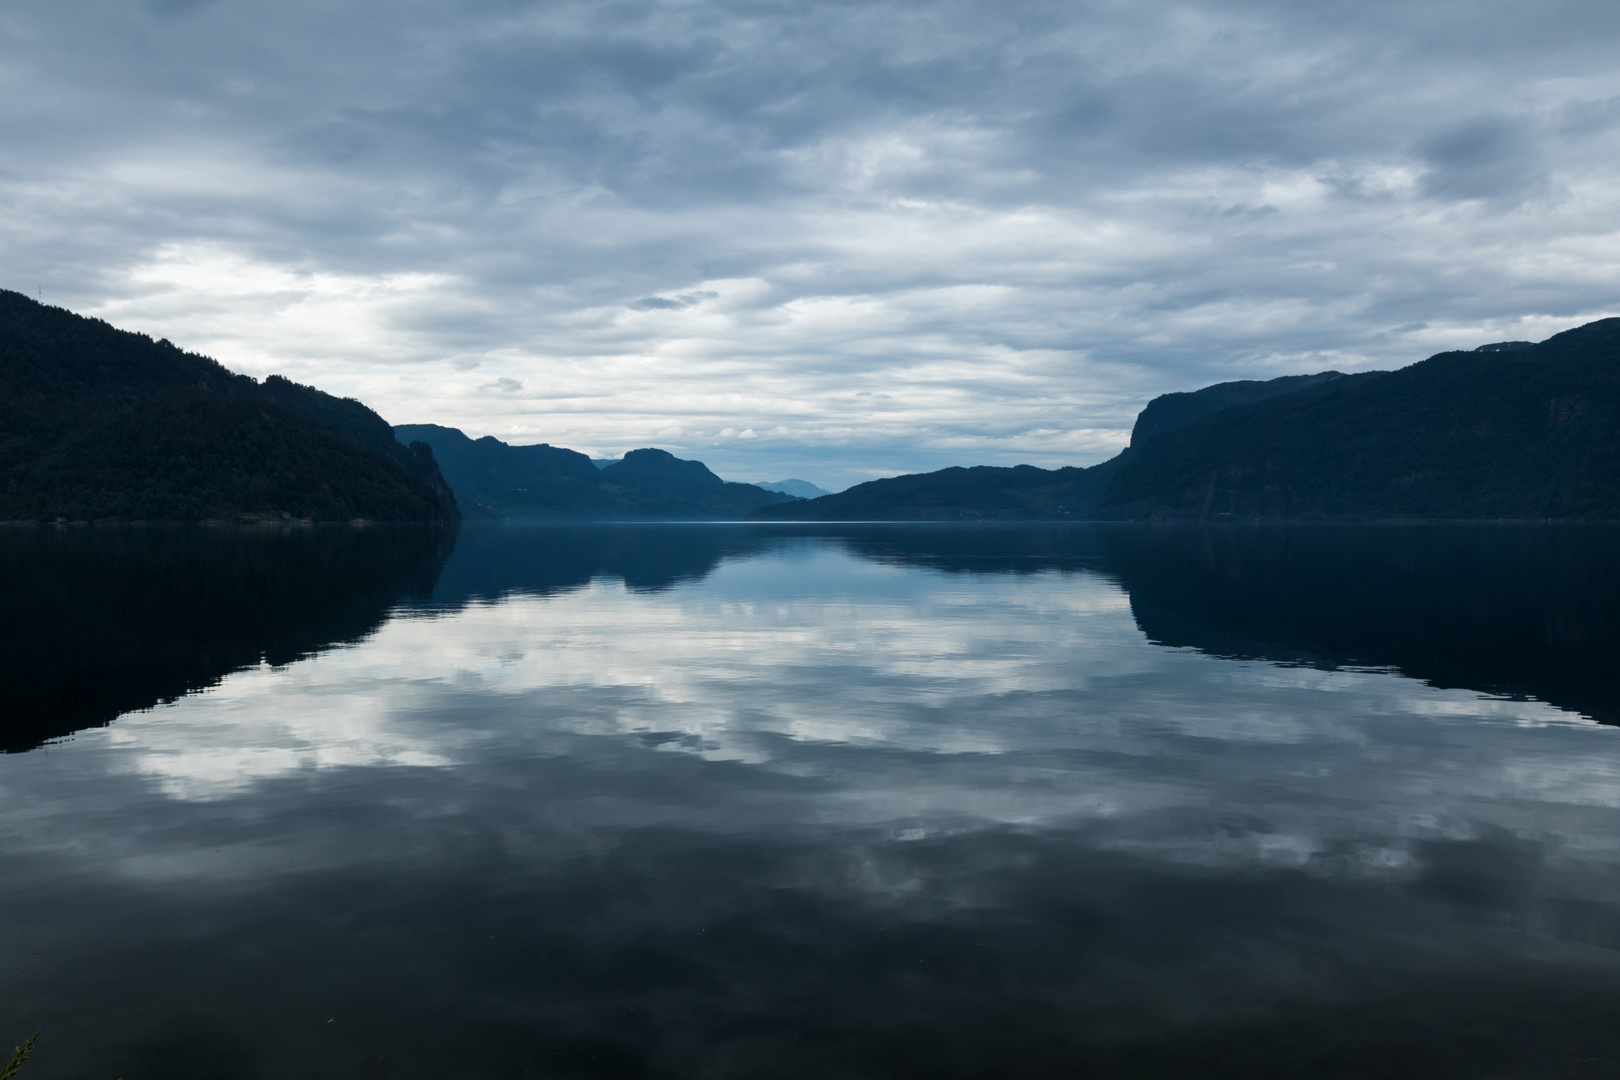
(497, 480)
(799, 489)
(1530, 432)
(98, 423)
(1511, 430)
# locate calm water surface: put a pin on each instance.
(785, 802)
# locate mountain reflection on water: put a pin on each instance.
(106, 621)
(1518, 611)
(893, 801)
(123, 620)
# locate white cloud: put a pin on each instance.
(1018, 222)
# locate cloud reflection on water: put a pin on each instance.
(816, 809)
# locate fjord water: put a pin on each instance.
(731, 801)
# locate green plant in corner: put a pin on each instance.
(18, 1056)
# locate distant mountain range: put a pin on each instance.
(102, 424)
(1511, 430)
(979, 493)
(98, 423)
(494, 480)
(799, 489)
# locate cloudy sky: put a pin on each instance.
(818, 239)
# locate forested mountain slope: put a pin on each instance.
(981, 493)
(1511, 430)
(1528, 432)
(100, 423)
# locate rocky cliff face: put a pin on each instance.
(1526, 432)
(1510, 430)
(1169, 411)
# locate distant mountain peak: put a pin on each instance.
(800, 489)
(541, 482)
(649, 462)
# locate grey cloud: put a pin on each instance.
(665, 303)
(1586, 118)
(1493, 157)
(1156, 197)
(171, 9)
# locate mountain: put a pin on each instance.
(799, 489)
(1510, 430)
(99, 423)
(1169, 411)
(981, 493)
(1507, 431)
(655, 483)
(494, 480)
(1024, 492)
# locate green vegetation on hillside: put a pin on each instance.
(99, 423)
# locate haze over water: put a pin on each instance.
(731, 801)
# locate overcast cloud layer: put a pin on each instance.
(821, 239)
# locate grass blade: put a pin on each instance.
(18, 1056)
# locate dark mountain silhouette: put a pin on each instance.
(494, 480)
(1524, 432)
(660, 467)
(981, 493)
(1511, 430)
(100, 423)
(1169, 411)
(656, 483)
(126, 618)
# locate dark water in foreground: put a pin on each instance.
(782, 802)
